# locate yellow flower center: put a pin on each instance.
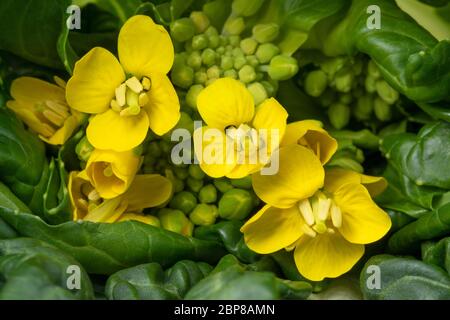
(321, 214)
(245, 140)
(53, 114)
(89, 198)
(131, 96)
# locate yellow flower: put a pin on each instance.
(110, 172)
(146, 191)
(42, 106)
(127, 98)
(237, 139)
(309, 133)
(327, 217)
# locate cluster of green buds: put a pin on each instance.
(350, 88)
(197, 200)
(207, 54)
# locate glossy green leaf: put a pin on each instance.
(34, 270)
(437, 253)
(403, 279)
(104, 248)
(150, 281)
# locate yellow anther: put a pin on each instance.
(146, 83)
(121, 94)
(59, 108)
(132, 98)
(53, 117)
(60, 82)
(134, 84)
(115, 106)
(86, 188)
(320, 227)
(305, 208)
(143, 99)
(108, 171)
(83, 203)
(324, 208)
(308, 231)
(47, 130)
(336, 216)
(130, 111)
(93, 195)
(331, 231)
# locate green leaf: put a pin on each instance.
(150, 281)
(122, 9)
(27, 35)
(228, 233)
(403, 279)
(430, 226)
(437, 253)
(104, 248)
(32, 269)
(231, 280)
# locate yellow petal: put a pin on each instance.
(148, 191)
(210, 146)
(336, 177)
(299, 176)
(225, 102)
(110, 131)
(108, 211)
(272, 229)
(32, 90)
(362, 220)
(144, 47)
(163, 107)
(65, 132)
(326, 256)
(309, 132)
(243, 170)
(148, 219)
(123, 165)
(26, 113)
(74, 188)
(95, 77)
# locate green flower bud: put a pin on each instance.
(192, 94)
(264, 33)
(363, 109)
(200, 20)
(220, 50)
(223, 184)
(209, 57)
(258, 92)
(194, 60)
(346, 163)
(237, 52)
(214, 41)
(230, 74)
(234, 40)
(181, 172)
(346, 98)
(208, 194)
(177, 184)
(84, 149)
(270, 88)
(204, 214)
(226, 63)
(315, 83)
(235, 204)
(382, 109)
(213, 72)
(182, 76)
(242, 183)
(370, 84)
(196, 172)
(154, 150)
(211, 31)
(188, 46)
(246, 8)
(343, 80)
(248, 46)
(194, 184)
(165, 146)
(372, 70)
(149, 161)
(185, 122)
(224, 41)
(247, 74)
(210, 81)
(386, 92)
(161, 165)
(339, 115)
(199, 42)
(234, 26)
(184, 201)
(239, 62)
(200, 77)
(182, 29)
(332, 65)
(266, 52)
(175, 221)
(252, 60)
(282, 67)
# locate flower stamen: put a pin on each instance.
(305, 208)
